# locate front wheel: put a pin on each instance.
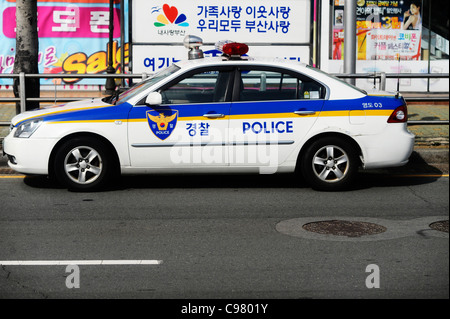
(83, 164)
(330, 164)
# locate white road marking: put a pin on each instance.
(78, 262)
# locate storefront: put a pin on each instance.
(406, 36)
(402, 36)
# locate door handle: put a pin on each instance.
(214, 116)
(305, 112)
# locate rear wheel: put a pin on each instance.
(330, 164)
(83, 164)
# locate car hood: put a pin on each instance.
(59, 109)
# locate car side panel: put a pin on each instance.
(382, 144)
(265, 133)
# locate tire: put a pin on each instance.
(83, 164)
(330, 164)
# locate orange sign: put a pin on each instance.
(80, 63)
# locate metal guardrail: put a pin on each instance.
(382, 77)
(22, 99)
(428, 122)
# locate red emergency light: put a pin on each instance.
(235, 49)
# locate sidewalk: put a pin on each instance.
(432, 141)
(431, 147)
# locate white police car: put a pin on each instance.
(229, 114)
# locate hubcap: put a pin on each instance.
(83, 165)
(330, 164)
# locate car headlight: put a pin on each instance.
(26, 129)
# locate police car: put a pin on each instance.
(228, 114)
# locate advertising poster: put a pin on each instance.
(387, 30)
(73, 39)
(338, 30)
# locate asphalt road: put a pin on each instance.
(233, 237)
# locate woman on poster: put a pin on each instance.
(412, 19)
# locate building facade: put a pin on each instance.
(395, 37)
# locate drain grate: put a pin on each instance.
(440, 226)
(345, 228)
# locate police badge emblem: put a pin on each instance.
(162, 122)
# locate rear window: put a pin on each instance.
(337, 79)
(270, 85)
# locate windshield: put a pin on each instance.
(337, 79)
(144, 85)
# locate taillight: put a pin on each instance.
(400, 115)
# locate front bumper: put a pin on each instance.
(28, 155)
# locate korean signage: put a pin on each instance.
(387, 30)
(73, 37)
(152, 58)
(252, 21)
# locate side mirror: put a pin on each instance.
(154, 99)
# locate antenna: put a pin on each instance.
(397, 56)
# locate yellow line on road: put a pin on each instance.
(422, 175)
(11, 176)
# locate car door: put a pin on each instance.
(272, 110)
(188, 128)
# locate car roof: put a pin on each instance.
(339, 89)
(245, 60)
(186, 65)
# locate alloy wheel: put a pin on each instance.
(83, 165)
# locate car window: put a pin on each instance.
(267, 85)
(204, 87)
(147, 83)
(337, 79)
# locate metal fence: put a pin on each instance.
(379, 79)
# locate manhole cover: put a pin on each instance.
(345, 228)
(441, 226)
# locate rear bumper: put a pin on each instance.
(392, 148)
